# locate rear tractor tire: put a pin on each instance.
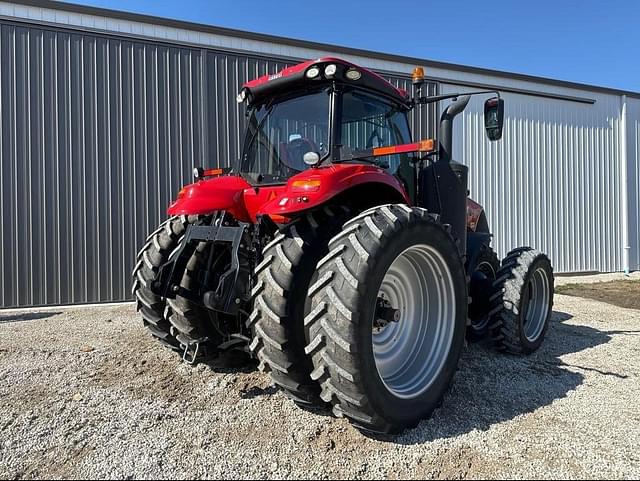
(388, 318)
(280, 302)
(202, 332)
(480, 291)
(156, 251)
(522, 302)
(191, 323)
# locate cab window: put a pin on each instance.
(369, 122)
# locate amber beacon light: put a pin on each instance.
(418, 75)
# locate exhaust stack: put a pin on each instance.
(446, 127)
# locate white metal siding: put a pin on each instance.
(553, 181)
(633, 176)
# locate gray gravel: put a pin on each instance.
(85, 393)
(595, 278)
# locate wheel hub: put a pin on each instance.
(385, 314)
(413, 325)
(536, 302)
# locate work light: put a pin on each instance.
(353, 74)
(313, 72)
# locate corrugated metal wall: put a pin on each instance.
(97, 134)
(633, 174)
(553, 181)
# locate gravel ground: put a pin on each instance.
(85, 393)
(562, 279)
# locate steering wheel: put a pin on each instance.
(296, 142)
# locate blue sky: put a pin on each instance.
(588, 41)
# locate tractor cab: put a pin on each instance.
(322, 113)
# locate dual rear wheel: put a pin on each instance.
(164, 323)
(384, 322)
(386, 316)
(522, 301)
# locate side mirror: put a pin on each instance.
(494, 117)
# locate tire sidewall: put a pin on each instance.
(396, 410)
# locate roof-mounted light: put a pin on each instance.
(418, 75)
(330, 70)
(313, 72)
(353, 74)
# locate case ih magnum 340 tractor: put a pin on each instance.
(346, 258)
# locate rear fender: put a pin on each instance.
(478, 235)
(211, 195)
(316, 187)
(475, 217)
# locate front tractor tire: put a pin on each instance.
(280, 301)
(522, 302)
(388, 318)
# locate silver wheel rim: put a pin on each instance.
(537, 308)
(410, 353)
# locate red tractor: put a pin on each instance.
(341, 254)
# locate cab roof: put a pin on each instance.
(295, 77)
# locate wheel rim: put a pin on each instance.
(410, 353)
(537, 305)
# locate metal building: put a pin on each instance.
(103, 114)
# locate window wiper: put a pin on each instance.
(269, 108)
(263, 179)
(366, 159)
(363, 158)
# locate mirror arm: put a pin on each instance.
(438, 98)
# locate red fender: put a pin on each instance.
(210, 195)
(315, 187)
(474, 211)
(309, 189)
